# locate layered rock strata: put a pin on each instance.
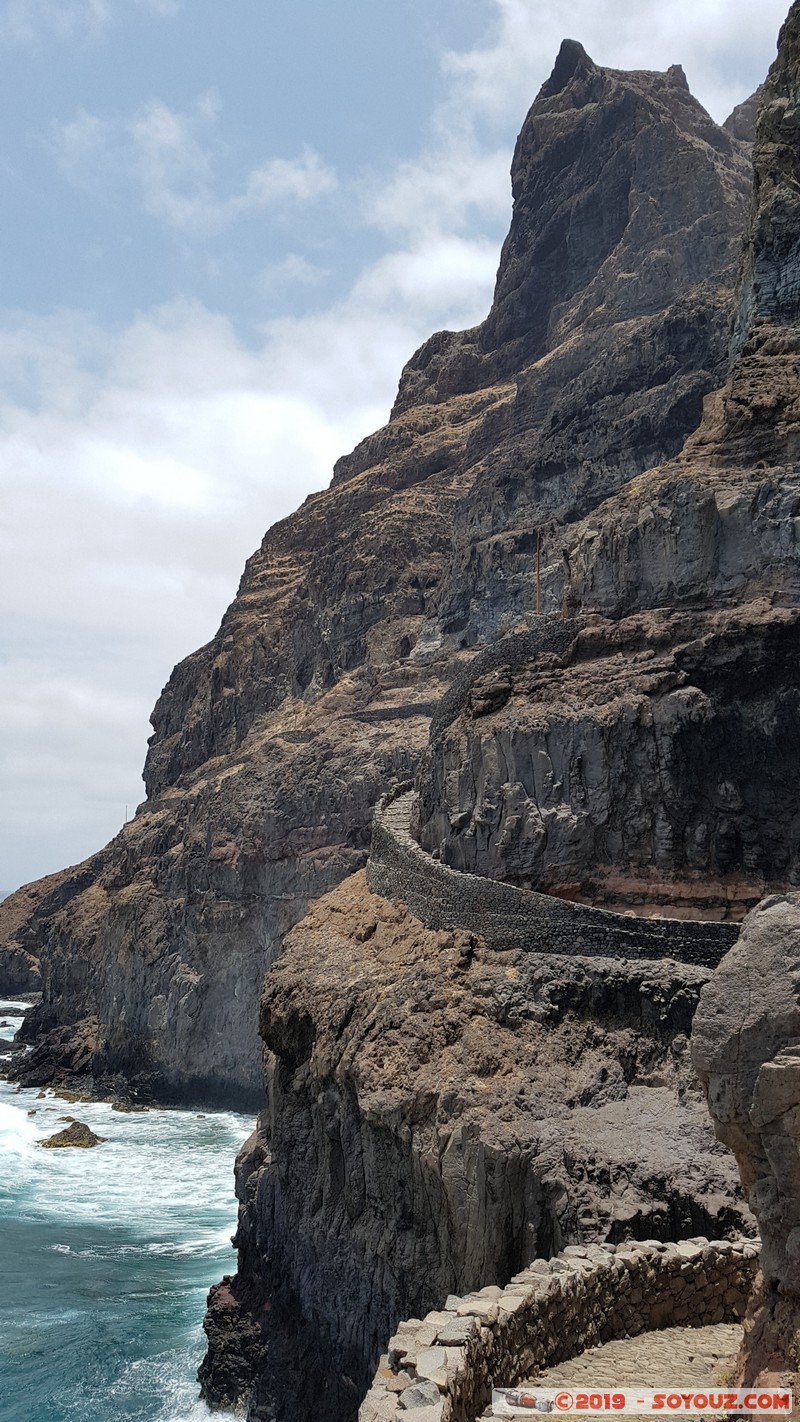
(510, 917)
(650, 764)
(639, 767)
(272, 744)
(440, 1114)
(684, 583)
(721, 519)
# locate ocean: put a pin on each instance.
(106, 1256)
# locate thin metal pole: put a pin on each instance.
(538, 571)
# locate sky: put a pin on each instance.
(226, 227)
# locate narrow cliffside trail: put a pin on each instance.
(429, 1128)
(440, 1110)
(272, 744)
(696, 1358)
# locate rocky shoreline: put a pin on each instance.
(272, 744)
(440, 1108)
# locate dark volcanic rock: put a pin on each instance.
(611, 310)
(441, 1114)
(746, 1038)
(719, 523)
(76, 1136)
(746, 1048)
(438, 1113)
(272, 743)
(741, 123)
(651, 766)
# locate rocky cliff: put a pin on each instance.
(440, 1114)
(747, 1032)
(436, 1112)
(746, 1049)
(272, 743)
(649, 765)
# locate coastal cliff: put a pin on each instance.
(440, 1114)
(272, 744)
(437, 1117)
(615, 446)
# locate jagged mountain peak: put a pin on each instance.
(272, 743)
(717, 524)
(604, 159)
(571, 61)
(741, 121)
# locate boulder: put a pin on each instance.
(77, 1135)
(746, 1050)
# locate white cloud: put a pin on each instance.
(24, 22)
(448, 189)
(171, 157)
(293, 270)
(725, 46)
(280, 179)
(446, 278)
(131, 496)
(83, 148)
(140, 467)
(136, 476)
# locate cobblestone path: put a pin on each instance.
(671, 1358)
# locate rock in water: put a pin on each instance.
(77, 1135)
(271, 745)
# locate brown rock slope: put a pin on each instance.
(430, 1126)
(747, 1035)
(272, 743)
(438, 1115)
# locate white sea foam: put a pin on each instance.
(114, 1251)
(17, 1131)
(11, 1013)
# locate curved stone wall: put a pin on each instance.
(551, 634)
(442, 1368)
(509, 917)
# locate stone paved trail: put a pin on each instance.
(670, 1357)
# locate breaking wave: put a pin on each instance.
(107, 1256)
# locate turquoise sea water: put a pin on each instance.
(106, 1256)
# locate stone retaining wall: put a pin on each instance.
(552, 633)
(509, 917)
(442, 1368)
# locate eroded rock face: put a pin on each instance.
(651, 765)
(746, 1049)
(272, 743)
(719, 521)
(439, 1115)
(611, 774)
(611, 307)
